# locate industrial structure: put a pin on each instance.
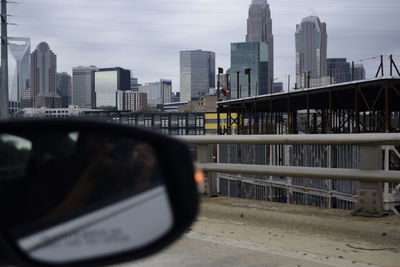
(369, 106)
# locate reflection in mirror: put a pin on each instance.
(80, 195)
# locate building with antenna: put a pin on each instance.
(43, 77)
(311, 53)
(259, 29)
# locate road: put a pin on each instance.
(237, 235)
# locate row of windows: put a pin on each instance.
(164, 122)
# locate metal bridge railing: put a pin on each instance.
(370, 174)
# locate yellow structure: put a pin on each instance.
(211, 123)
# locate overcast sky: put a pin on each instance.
(146, 36)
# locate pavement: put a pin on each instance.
(236, 232)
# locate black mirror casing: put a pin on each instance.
(175, 162)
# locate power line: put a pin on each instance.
(213, 3)
(44, 26)
(197, 11)
(189, 25)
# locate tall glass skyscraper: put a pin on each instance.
(259, 29)
(64, 87)
(43, 77)
(311, 51)
(19, 66)
(339, 70)
(83, 87)
(254, 56)
(107, 83)
(197, 73)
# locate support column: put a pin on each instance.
(205, 155)
(370, 195)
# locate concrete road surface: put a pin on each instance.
(246, 233)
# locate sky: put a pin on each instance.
(146, 36)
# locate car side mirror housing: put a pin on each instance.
(89, 193)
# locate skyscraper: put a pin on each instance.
(311, 52)
(157, 92)
(253, 56)
(359, 72)
(197, 73)
(83, 87)
(339, 70)
(259, 29)
(19, 68)
(43, 77)
(107, 83)
(64, 87)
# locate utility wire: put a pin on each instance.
(188, 25)
(213, 3)
(191, 33)
(195, 10)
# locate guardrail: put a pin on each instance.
(370, 174)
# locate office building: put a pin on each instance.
(277, 88)
(135, 84)
(131, 100)
(157, 92)
(43, 77)
(64, 87)
(311, 52)
(83, 86)
(339, 70)
(19, 67)
(197, 73)
(259, 29)
(107, 82)
(253, 56)
(359, 72)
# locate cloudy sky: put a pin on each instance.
(147, 35)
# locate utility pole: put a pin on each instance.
(4, 63)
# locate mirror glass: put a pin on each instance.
(78, 195)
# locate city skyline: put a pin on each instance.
(354, 33)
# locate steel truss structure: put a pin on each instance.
(353, 107)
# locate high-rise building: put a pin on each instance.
(339, 70)
(43, 77)
(311, 52)
(83, 94)
(259, 29)
(107, 82)
(253, 56)
(131, 100)
(157, 92)
(359, 72)
(197, 73)
(19, 67)
(64, 87)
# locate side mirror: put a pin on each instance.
(90, 193)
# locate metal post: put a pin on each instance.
(219, 87)
(391, 65)
(370, 195)
(205, 155)
(352, 71)
(248, 72)
(288, 84)
(238, 84)
(4, 62)
(382, 65)
(386, 199)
